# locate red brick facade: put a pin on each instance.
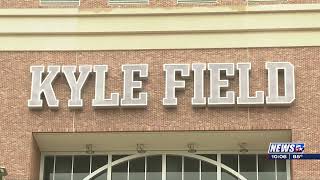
(19, 152)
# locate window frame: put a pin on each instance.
(196, 1)
(127, 2)
(60, 3)
(109, 154)
(261, 1)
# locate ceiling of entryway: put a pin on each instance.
(161, 141)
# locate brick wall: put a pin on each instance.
(20, 154)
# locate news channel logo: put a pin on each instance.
(286, 148)
(289, 151)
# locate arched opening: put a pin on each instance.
(166, 156)
(170, 166)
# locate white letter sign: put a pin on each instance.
(38, 87)
(100, 101)
(273, 97)
(216, 84)
(130, 85)
(76, 85)
(172, 84)
(134, 74)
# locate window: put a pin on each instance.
(196, 1)
(69, 167)
(208, 171)
(176, 166)
(119, 172)
(154, 168)
(266, 168)
(137, 169)
(230, 160)
(248, 166)
(98, 161)
(128, 1)
(59, 2)
(48, 168)
(191, 168)
(63, 167)
(81, 167)
(257, 1)
(281, 170)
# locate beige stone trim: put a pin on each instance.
(180, 28)
(192, 23)
(157, 11)
(161, 41)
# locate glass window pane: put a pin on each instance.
(248, 167)
(174, 168)
(62, 0)
(103, 176)
(208, 171)
(230, 160)
(282, 170)
(266, 168)
(116, 157)
(48, 168)
(98, 161)
(81, 167)
(210, 156)
(137, 169)
(63, 168)
(191, 169)
(120, 171)
(154, 167)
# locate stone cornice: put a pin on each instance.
(178, 28)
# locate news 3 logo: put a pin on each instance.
(286, 148)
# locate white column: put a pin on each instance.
(72, 167)
(200, 177)
(145, 168)
(257, 166)
(164, 167)
(109, 167)
(90, 164)
(276, 169)
(128, 176)
(54, 167)
(219, 167)
(182, 175)
(288, 169)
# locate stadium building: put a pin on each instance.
(158, 89)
